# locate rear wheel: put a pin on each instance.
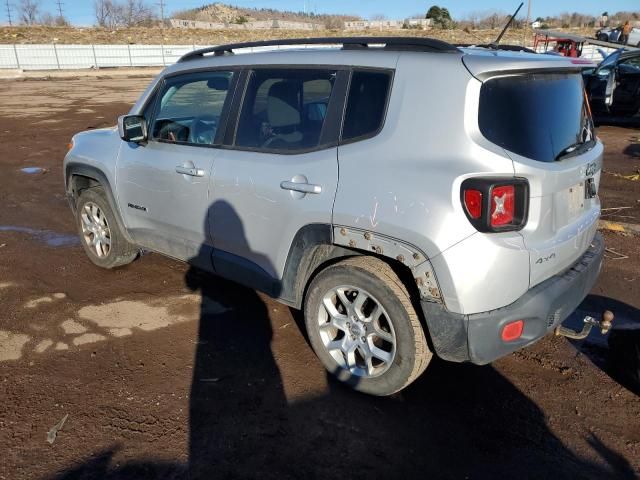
(100, 235)
(363, 327)
(603, 38)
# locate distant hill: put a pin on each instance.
(220, 12)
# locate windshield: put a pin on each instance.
(542, 116)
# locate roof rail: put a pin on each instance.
(414, 44)
(507, 47)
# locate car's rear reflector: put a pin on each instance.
(512, 331)
(473, 203)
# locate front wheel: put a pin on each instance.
(363, 327)
(100, 235)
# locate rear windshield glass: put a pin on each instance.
(539, 116)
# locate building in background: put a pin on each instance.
(418, 23)
(258, 25)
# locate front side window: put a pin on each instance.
(190, 108)
(366, 104)
(630, 66)
(285, 109)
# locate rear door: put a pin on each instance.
(542, 121)
(278, 173)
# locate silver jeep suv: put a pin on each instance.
(410, 196)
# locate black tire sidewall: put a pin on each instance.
(398, 375)
(119, 246)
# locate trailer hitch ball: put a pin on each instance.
(589, 322)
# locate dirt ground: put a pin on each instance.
(166, 373)
(179, 36)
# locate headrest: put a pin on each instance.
(218, 83)
(282, 104)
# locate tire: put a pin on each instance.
(95, 219)
(396, 337)
(603, 38)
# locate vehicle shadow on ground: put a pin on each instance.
(456, 421)
(617, 353)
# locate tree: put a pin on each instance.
(440, 16)
(53, 20)
(103, 11)
(111, 14)
(29, 10)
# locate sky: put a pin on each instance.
(80, 12)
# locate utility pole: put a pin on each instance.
(9, 13)
(161, 5)
(528, 25)
(60, 15)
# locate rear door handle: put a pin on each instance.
(301, 187)
(191, 171)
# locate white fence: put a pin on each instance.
(60, 57)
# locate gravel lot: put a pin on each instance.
(167, 373)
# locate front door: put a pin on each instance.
(626, 96)
(279, 174)
(163, 185)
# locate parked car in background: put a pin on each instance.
(408, 214)
(613, 86)
(608, 34)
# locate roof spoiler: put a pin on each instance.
(390, 43)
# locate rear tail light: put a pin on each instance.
(502, 205)
(496, 204)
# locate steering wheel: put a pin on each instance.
(203, 129)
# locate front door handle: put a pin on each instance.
(301, 187)
(191, 171)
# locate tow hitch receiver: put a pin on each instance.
(604, 324)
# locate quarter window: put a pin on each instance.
(366, 104)
(285, 109)
(190, 108)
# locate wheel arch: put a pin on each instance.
(317, 246)
(79, 177)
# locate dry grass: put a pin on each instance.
(172, 36)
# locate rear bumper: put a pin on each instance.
(476, 338)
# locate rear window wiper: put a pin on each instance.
(573, 149)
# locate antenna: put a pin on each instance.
(9, 13)
(506, 27)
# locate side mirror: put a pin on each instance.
(132, 128)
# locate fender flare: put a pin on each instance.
(75, 168)
(316, 244)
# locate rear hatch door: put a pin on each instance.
(538, 113)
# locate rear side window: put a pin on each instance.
(541, 116)
(285, 109)
(366, 105)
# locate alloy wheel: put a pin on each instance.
(357, 331)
